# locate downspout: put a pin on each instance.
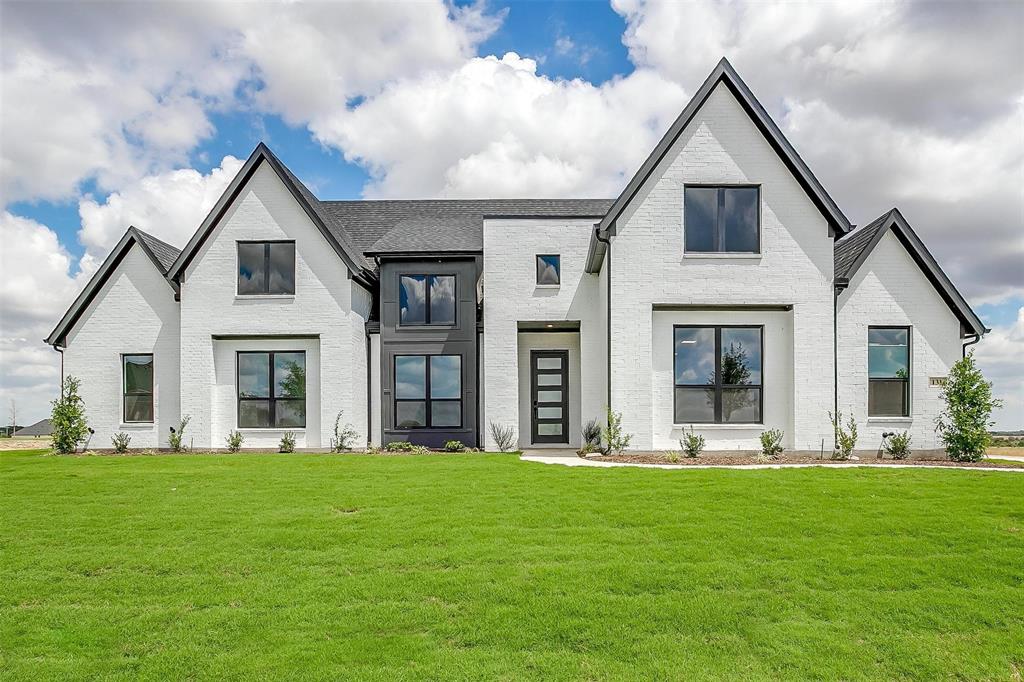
(977, 338)
(840, 285)
(608, 381)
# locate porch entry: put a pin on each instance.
(549, 394)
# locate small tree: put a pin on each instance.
(68, 418)
(846, 436)
(964, 423)
(615, 439)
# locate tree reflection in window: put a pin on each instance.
(730, 360)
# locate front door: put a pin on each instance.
(549, 392)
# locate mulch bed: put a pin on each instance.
(740, 459)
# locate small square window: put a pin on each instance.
(721, 219)
(266, 268)
(549, 270)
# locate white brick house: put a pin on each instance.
(722, 291)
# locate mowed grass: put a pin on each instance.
(486, 567)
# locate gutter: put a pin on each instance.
(608, 247)
(976, 339)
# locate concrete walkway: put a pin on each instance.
(574, 461)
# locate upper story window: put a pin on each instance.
(549, 270)
(722, 219)
(138, 388)
(426, 299)
(888, 371)
(271, 389)
(428, 391)
(266, 268)
(718, 375)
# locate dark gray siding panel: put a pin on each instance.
(458, 339)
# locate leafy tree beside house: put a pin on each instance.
(68, 418)
(964, 423)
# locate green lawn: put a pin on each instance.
(482, 566)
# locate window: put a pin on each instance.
(426, 299)
(138, 388)
(722, 219)
(549, 270)
(428, 398)
(271, 389)
(888, 371)
(266, 268)
(718, 375)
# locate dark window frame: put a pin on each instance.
(124, 389)
(271, 399)
(428, 413)
(718, 235)
(718, 385)
(426, 300)
(906, 382)
(266, 265)
(558, 270)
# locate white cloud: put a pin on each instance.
(999, 356)
(114, 91)
(170, 206)
(35, 288)
(494, 127)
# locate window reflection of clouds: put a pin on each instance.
(410, 377)
(695, 354)
(442, 299)
(412, 299)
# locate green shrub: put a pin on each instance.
(672, 456)
(504, 436)
(68, 418)
(692, 443)
(771, 443)
(454, 446)
(615, 439)
(963, 424)
(344, 436)
(287, 443)
(234, 440)
(177, 437)
(846, 437)
(120, 441)
(399, 446)
(898, 445)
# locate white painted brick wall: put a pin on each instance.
(134, 312)
(326, 303)
(722, 145)
(890, 289)
(511, 295)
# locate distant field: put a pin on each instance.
(18, 443)
(481, 566)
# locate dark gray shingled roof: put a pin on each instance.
(851, 251)
(443, 225)
(164, 253)
(40, 428)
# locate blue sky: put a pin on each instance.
(132, 112)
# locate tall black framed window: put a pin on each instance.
(718, 374)
(428, 391)
(271, 389)
(137, 398)
(549, 270)
(722, 219)
(266, 268)
(426, 299)
(888, 371)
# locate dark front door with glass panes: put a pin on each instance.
(549, 391)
